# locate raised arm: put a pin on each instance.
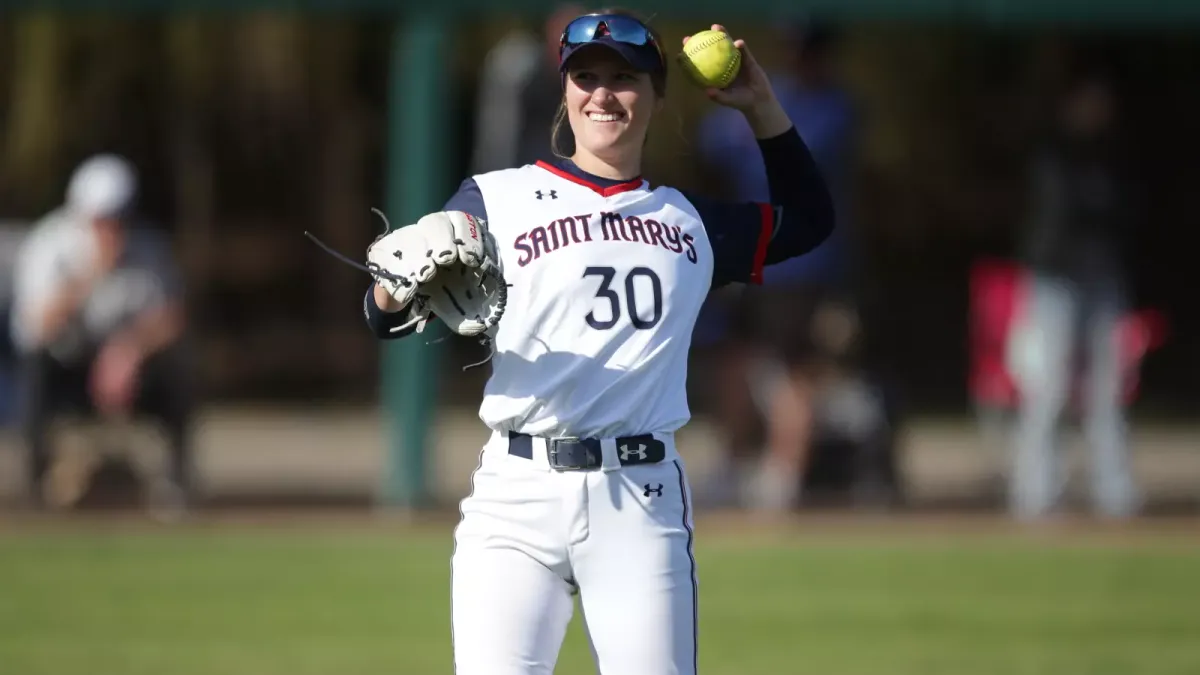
(800, 216)
(747, 236)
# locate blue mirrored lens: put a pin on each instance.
(620, 28)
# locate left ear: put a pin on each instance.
(659, 103)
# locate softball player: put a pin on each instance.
(580, 489)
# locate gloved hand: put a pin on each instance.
(446, 264)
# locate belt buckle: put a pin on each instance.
(553, 454)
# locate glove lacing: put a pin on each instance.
(421, 317)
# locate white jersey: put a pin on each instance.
(606, 286)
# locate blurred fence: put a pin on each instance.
(250, 129)
(242, 149)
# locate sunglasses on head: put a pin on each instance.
(619, 28)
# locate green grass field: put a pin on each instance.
(333, 600)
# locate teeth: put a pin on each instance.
(604, 117)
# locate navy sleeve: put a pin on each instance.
(468, 199)
(384, 324)
(747, 236)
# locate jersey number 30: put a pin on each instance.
(637, 315)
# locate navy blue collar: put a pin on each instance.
(565, 168)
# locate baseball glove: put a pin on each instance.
(444, 265)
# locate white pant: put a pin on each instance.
(532, 537)
(1062, 317)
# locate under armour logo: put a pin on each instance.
(553, 194)
(626, 453)
(657, 491)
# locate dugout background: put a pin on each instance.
(250, 129)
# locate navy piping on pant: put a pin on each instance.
(692, 561)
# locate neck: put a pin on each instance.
(627, 169)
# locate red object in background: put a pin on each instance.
(997, 290)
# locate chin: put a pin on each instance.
(607, 146)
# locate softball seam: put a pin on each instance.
(712, 40)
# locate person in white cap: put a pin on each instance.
(97, 318)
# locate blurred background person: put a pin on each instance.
(778, 353)
(10, 242)
(98, 321)
(519, 89)
(1078, 228)
(939, 184)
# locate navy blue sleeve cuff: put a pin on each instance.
(467, 199)
(384, 324)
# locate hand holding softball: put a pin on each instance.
(750, 88)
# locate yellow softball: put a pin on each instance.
(710, 59)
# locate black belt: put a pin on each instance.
(582, 454)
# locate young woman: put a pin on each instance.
(580, 490)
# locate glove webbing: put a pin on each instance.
(375, 270)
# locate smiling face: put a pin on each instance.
(609, 105)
